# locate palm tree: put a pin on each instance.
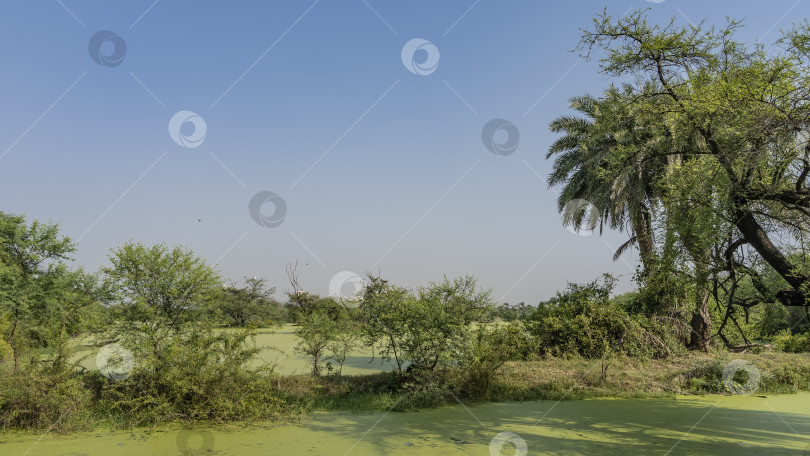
(589, 165)
(618, 159)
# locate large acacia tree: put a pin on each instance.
(42, 300)
(724, 129)
(745, 109)
(162, 294)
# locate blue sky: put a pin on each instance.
(380, 168)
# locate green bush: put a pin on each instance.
(301, 304)
(425, 389)
(250, 304)
(429, 329)
(36, 399)
(489, 349)
(786, 379)
(209, 381)
(583, 321)
(705, 377)
(792, 343)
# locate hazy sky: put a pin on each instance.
(372, 142)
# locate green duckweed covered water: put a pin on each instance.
(710, 425)
(278, 349)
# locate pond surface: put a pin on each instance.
(713, 425)
(278, 348)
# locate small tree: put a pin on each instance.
(430, 328)
(441, 321)
(489, 348)
(301, 303)
(162, 293)
(384, 315)
(39, 295)
(251, 303)
(316, 333)
(346, 339)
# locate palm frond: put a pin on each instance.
(622, 248)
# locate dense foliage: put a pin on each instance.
(702, 157)
(250, 304)
(584, 321)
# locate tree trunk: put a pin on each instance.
(13, 345)
(759, 240)
(701, 323)
(646, 245)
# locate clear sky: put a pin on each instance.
(378, 158)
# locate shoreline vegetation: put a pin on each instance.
(296, 397)
(564, 379)
(703, 159)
